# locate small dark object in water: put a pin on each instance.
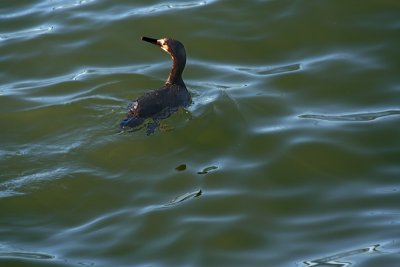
(161, 103)
(181, 167)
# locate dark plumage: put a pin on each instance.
(164, 101)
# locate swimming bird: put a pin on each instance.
(162, 102)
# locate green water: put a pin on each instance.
(288, 156)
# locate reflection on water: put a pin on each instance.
(208, 169)
(15, 186)
(26, 255)
(25, 33)
(340, 259)
(183, 198)
(72, 3)
(352, 117)
(149, 10)
(272, 70)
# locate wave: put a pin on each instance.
(356, 117)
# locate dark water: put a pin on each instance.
(288, 156)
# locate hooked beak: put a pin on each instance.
(150, 40)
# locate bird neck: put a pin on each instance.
(175, 75)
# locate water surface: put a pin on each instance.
(288, 156)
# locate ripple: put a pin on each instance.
(12, 187)
(341, 259)
(71, 4)
(121, 12)
(357, 117)
(26, 255)
(208, 169)
(20, 10)
(360, 58)
(90, 72)
(18, 88)
(248, 71)
(250, 179)
(29, 33)
(184, 197)
(165, 7)
(272, 70)
(15, 88)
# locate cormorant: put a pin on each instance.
(162, 102)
